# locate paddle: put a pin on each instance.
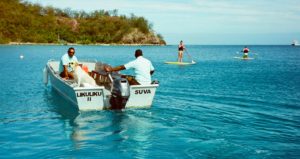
(189, 56)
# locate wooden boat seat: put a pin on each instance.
(101, 79)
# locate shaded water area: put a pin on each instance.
(221, 107)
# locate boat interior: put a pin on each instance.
(94, 70)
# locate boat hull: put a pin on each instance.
(141, 96)
(97, 98)
(84, 98)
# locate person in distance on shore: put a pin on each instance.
(143, 69)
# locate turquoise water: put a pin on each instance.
(219, 108)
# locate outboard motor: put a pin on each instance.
(120, 93)
(99, 66)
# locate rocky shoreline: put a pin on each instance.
(75, 44)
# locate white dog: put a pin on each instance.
(82, 78)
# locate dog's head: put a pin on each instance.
(73, 65)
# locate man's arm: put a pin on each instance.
(118, 68)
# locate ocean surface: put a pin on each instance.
(221, 107)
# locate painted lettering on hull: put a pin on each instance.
(144, 91)
(88, 94)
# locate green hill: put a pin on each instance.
(24, 22)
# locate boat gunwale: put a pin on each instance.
(70, 85)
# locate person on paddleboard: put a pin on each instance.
(246, 50)
(181, 48)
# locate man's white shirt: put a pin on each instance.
(142, 68)
(66, 60)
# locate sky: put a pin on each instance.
(206, 22)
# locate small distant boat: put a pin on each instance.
(21, 56)
(295, 43)
(112, 91)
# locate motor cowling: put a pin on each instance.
(120, 93)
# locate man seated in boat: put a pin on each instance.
(67, 64)
(143, 69)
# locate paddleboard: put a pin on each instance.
(180, 63)
(241, 58)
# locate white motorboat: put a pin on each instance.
(295, 43)
(112, 91)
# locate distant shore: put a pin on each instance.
(74, 44)
(114, 44)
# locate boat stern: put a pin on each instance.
(90, 98)
(141, 96)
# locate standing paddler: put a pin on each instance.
(181, 48)
(246, 50)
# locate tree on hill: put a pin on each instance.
(22, 22)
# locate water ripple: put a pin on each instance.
(218, 108)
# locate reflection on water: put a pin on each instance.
(113, 130)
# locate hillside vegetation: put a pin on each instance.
(24, 22)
